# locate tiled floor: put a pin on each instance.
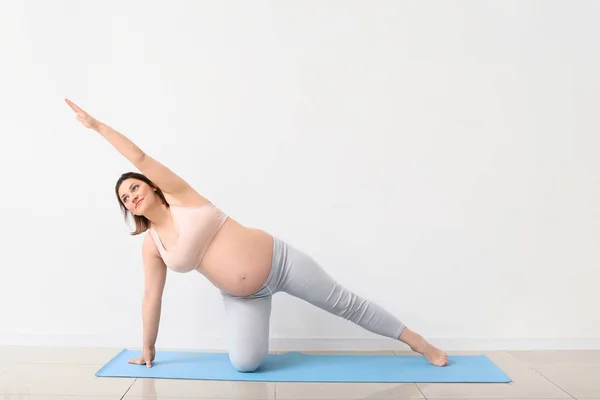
(49, 373)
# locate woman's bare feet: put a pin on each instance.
(418, 344)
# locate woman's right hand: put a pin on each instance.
(146, 358)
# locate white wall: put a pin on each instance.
(437, 158)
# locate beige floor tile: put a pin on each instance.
(58, 355)
(127, 397)
(526, 383)
(346, 391)
(56, 397)
(60, 379)
(187, 388)
(578, 382)
(6, 365)
(559, 358)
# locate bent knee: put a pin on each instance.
(246, 361)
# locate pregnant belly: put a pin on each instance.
(238, 260)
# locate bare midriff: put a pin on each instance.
(238, 260)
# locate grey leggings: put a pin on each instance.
(297, 274)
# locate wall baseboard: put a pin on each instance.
(290, 344)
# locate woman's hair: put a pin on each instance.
(141, 223)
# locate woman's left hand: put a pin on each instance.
(86, 119)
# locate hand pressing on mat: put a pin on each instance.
(146, 358)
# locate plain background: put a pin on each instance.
(438, 158)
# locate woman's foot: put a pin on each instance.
(418, 344)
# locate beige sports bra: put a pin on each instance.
(197, 226)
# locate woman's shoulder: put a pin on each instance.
(148, 245)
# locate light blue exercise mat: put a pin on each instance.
(299, 367)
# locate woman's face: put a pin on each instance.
(136, 195)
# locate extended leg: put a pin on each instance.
(305, 279)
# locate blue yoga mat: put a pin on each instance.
(299, 367)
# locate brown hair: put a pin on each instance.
(141, 223)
